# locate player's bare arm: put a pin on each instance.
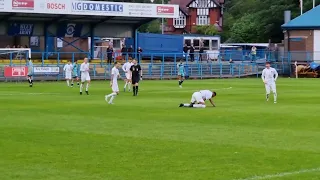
(111, 80)
(212, 103)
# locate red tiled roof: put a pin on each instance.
(182, 4)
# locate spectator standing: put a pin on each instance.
(201, 53)
(139, 51)
(124, 52)
(191, 53)
(185, 50)
(253, 53)
(109, 54)
(130, 51)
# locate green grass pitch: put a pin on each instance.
(50, 132)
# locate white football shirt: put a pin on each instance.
(68, 68)
(115, 73)
(84, 68)
(269, 75)
(126, 67)
(206, 94)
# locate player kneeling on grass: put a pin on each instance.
(198, 99)
(114, 83)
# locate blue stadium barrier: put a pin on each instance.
(164, 65)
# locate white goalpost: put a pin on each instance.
(16, 59)
(15, 53)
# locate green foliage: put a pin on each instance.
(207, 30)
(258, 20)
(152, 27)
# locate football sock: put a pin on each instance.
(134, 90)
(29, 80)
(199, 106)
(125, 85)
(186, 105)
(87, 87)
(68, 83)
(112, 98)
(81, 87)
(181, 82)
(129, 86)
(275, 96)
(112, 94)
(137, 90)
(267, 96)
(78, 83)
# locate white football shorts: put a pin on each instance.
(128, 76)
(197, 98)
(271, 86)
(85, 77)
(68, 75)
(115, 87)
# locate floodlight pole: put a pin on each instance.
(162, 22)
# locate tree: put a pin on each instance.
(207, 30)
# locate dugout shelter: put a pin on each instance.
(37, 23)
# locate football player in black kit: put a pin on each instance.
(136, 76)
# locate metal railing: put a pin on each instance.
(220, 56)
(170, 71)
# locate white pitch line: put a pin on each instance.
(15, 94)
(283, 174)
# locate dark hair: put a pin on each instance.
(214, 93)
(268, 63)
(115, 63)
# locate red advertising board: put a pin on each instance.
(23, 4)
(15, 71)
(165, 10)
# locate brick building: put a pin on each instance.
(302, 36)
(195, 13)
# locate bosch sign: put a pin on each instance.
(56, 6)
(165, 10)
(23, 4)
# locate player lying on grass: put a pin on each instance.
(198, 99)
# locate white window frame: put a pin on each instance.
(180, 22)
(203, 20)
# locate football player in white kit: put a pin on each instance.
(269, 78)
(114, 83)
(85, 76)
(68, 70)
(126, 68)
(198, 99)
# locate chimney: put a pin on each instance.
(287, 16)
